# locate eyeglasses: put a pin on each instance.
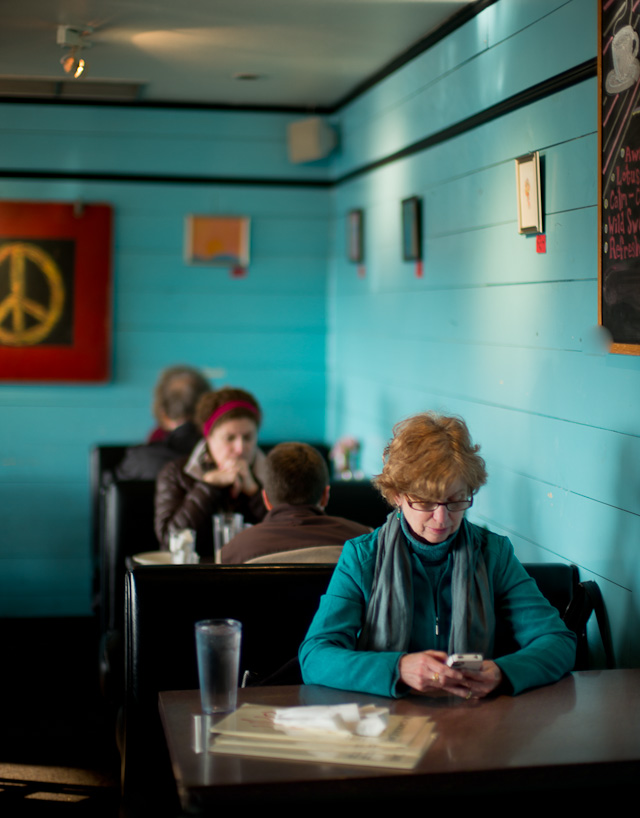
(454, 505)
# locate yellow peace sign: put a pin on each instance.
(18, 305)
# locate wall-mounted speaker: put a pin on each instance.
(310, 139)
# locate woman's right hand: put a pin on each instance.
(225, 475)
(427, 671)
(234, 473)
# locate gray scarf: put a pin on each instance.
(389, 616)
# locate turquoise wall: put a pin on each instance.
(265, 332)
(493, 330)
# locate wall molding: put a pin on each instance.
(163, 179)
(577, 74)
(580, 73)
(141, 105)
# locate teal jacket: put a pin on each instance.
(545, 648)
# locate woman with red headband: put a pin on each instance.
(223, 472)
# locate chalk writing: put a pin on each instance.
(620, 170)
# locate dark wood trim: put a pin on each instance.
(580, 73)
(304, 110)
(140, 178)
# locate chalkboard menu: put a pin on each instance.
(619, 177)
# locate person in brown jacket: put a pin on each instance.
(222, 473)
(296, 491)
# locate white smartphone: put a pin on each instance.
(466, 661)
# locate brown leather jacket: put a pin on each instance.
(286, 528)
(183, 501)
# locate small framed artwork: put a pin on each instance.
(529, 193)
(355, 236)
(412, 229)
(217, 241)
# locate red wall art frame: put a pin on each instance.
(55, 292)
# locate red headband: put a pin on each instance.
(222, 410)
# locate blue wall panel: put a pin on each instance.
(148, 142)
(265, 332)
(481, 64)
(493, 330)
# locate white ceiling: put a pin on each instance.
(307, 53)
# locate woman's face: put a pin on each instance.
(434, 526)
(233, 440)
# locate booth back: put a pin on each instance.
(128, 529)
(275, 605)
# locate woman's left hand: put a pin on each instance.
(427, 670)
(482, 682)
(245, 481)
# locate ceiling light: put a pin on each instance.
(72, 64)
(75, 39)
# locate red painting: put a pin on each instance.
(55, 292)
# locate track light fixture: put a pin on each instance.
(72, 64)
(75, 39)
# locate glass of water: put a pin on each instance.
(218, 650)
(225, 528)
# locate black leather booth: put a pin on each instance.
(102, 462)
(116, 518)
(127, 528)
(357, 500)
(274, 603)
(128, 510)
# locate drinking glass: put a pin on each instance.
(225, 528)
(218, 650)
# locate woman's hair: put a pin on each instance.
(177, 392)
(226, 404)
(429, 452)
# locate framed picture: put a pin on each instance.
(355, 236)
(55, 292)
(529, 193)
(619, 175)
(217, 241)
(412, 229)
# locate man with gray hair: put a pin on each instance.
(174, 400)
(296, 491)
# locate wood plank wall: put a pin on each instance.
(266, 332)
(494, 331)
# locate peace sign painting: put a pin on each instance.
(55, 292)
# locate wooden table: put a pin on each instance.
(580, 735)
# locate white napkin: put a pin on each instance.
(345, 719)
(182, 540)
(182, 547)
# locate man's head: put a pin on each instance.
(176, 394)
(296, 474)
